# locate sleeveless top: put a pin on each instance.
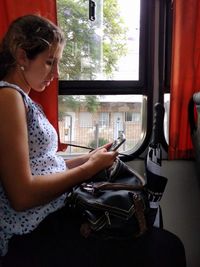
(42, 139)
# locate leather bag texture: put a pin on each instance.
(113, 204)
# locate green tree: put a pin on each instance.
(87, 52)
(100, 142)
(73, 103)
(114, 41)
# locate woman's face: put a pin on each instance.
(41, 71)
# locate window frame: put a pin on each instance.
(145, 85)
(104, 86)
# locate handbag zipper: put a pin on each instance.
(108, 217)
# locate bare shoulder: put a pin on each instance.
(7, 93)
(12, 112)
(10, 100)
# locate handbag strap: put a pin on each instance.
(110, 186)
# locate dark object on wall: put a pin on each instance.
(156, 183)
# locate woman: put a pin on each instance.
(35, 228)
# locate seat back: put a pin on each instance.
(194, 121)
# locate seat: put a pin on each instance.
(194, 121)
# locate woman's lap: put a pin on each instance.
(57, 242)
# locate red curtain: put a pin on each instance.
(10, 10)
(185, 78)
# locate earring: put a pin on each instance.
(22, 68)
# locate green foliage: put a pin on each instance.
(102, 141)
(74, 102)
(91, 103)
(114, 43)
(72, 19)
(87, 52)
(86, 48)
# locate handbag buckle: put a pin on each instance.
(88, 188)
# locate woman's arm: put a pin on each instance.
(23, 189)
(74, 162)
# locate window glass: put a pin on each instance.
(85, 119)
(104, 119)
(133, 116)
(104, 47)
(93, 126)
(104, 76)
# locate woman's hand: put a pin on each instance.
(106, 146)
(99, 159)
(74, 162)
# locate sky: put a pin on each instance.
(128, 66)
(130, 10)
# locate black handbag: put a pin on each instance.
(113, 204)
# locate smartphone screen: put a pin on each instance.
(117, 143)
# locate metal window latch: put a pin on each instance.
(91, 10)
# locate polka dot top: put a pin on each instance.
(42, 139)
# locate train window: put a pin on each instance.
(103, 86)
(111, 116)
(105, 47)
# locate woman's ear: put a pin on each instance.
(21, 57)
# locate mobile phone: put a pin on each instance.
(117, 143)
